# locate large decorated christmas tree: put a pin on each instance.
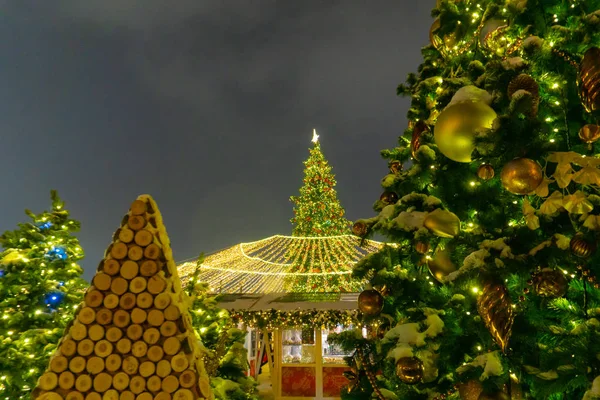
(318, 213)
(40, 284)
(317, 210)
(493, 198)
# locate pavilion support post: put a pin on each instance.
(269, 354)
(259, 353)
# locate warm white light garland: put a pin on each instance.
(262, 266)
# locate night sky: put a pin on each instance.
(207, 105)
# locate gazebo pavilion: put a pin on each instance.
(256, 282)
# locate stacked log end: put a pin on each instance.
(132, 337)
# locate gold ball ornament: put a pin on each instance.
(457, 126)
(389, 197)
(589, 80)
(370, 302)
(442, 223)
(410, 370)
(485, 172)
(440, 266)
(550, 283)
(359, 228)
(581, 247)
(395, 166)
(521, 176)
(589, 134)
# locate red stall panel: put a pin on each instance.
(298, 382)
(333, 381)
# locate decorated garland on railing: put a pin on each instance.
(272, 319)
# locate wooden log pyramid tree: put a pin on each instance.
(132, 337)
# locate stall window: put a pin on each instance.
(298, 346)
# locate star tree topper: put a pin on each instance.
(315, 138)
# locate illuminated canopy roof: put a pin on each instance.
(264, 265)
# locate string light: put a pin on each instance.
(263, 266)
(272, 319)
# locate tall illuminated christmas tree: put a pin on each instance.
(318, 213)
(40, 283)
(493, 201)
(317, 210)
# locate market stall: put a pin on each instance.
(257, 287)
(303, 363)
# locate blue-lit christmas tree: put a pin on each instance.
(40, 284)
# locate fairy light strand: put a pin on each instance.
(262, 266)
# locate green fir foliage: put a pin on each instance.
(225, 358)
(519, 241)
(40, 286)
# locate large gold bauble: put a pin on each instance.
(550, 283)
(499, 395)
(441, 265)
(442, 223)
(410, 370)
(457, 125)
(470, 390)
(521, 176)
(589, 79)
(370, 302)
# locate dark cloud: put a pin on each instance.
(206, 105)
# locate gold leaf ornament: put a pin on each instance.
(563, 174)
(589, 175)
(553, 204)
(592, 222)
(564, 157)
(542, 190)
(577, 203)
(589, 162)
(532, 220)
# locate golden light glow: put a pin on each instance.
(315, 137)
(262, 266)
